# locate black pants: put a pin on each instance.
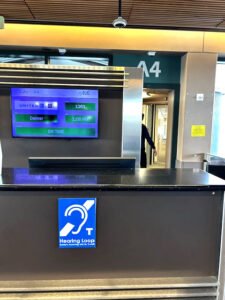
(143, 159)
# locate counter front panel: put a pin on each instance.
(139, 234)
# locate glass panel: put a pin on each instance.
(147, 111)
(161, 133)
(79, 61)
(220, 72)
(22, 59)
(218, 126)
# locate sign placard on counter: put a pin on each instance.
(77, 222)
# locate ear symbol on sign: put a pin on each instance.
(83, 212)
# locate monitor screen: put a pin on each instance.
(54, 113)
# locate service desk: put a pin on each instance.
(159, 234)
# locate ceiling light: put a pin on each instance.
(119, 22)
(146, 94)
(151, 53)
(62, 51)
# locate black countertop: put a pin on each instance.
(114, 179)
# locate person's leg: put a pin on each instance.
(143, 159)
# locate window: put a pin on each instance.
(79, 61)
(218, 126)
(22, 59)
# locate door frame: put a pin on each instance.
(175, 116)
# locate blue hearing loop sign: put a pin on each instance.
(77, 222)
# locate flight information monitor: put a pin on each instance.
(54, 113)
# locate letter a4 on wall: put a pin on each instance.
(77, 222)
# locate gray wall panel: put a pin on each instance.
(197, 76)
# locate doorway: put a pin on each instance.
(158, 105)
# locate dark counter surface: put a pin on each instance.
(139, 179)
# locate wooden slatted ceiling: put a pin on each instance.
(198, 13)
(15, 9)
(87, 11)
(208, 14)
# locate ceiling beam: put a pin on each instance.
(101, 38)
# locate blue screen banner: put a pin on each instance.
(54, 113)
(77, 222)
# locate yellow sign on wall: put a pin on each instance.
(198, 130)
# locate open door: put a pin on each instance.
(158, 110)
